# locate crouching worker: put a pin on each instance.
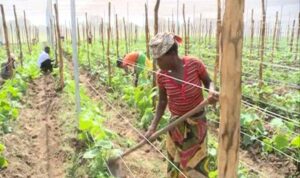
(7, 68)
(44, 61)
(136, 61)
(177, 83)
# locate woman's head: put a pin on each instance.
(166, 61)
(164, 48)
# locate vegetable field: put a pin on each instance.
(72, 121)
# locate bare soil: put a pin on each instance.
(37, 146)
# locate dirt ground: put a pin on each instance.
(145, 162)
(37, 146)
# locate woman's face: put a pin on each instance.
(166, 62)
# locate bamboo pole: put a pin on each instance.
(230, 96)
(274, 37)
(9, 59)
(102, 39)
(262, 43)
(117, 36)
(200, 28)
(209, 32)
(12, 37)
(218, 33)
(108, 45)
(61, 63)
(156, 17)
(18, 36)
(188, 36)
(185, 34)
(125, 35)
(56, 45)
(156, 8)
(26, 30)
(292, 36)
(298, 36)
(147, 32)
(252, 33)
(288, 34)
(87, 40)
(78, 35)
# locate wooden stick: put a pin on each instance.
(156, 8)
(252, 33)
(288, 34)
(209, 32)
(125, 35)
(262, 46)
(147, 32)
(185, 34)
(26, 30)
(156, 17)
(18, 36)
(218, 33)
(298, 36)
(78, 35)
(102, 39)
(9, 59)
(61, 63)
(87, 40)
(108, 43)
(117, 36)
(292, 36)
(188, 36)
(274, 37)
(56, 45)
(230, 96)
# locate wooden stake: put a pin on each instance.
(218, 32)
(288, 34)
(156, 17)
(9, 59)
(108, 43)
(147, 32)
(230, 96)
(26, 30)
(117, 36)
(12, 37)
(274, 36)
(78, 35)
(188, 36)
(292, 36)
(262, 46)
(185, 34)
(87, 40)
(125, 35)
(56, 45)
(156, 8)
(298, 37)
(102, 39)
(61, 63)
(252, 33)
(18, 36)
(209, 32)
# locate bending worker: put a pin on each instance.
(187, 143)
(135, 61)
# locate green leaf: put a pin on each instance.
(91, 154)
(296, 142)
(2, 148)
(281, 141)
(3, 162)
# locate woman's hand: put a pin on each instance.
(150, 132)
(213, 97)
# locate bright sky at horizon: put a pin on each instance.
(134, 9)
